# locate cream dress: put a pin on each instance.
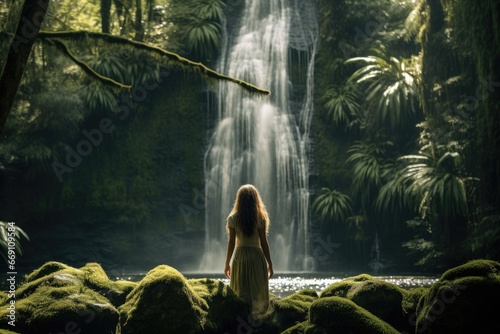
(249, 268)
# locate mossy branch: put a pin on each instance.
(203, 70)
(86, 68)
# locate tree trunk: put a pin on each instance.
(32, 15)
(431, 46)
(139, 28)
(105, 16)
(150, 8)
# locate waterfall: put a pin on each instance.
(264, 140)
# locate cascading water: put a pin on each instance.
(264, 140)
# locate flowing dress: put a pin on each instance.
(249, 278)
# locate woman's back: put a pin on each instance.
(241, 238)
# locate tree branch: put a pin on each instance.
(61, 46)
(203, 70)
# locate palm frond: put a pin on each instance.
(10, 240)
(333, 205)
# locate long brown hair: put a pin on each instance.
(249, 209)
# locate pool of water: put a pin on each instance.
(283, 285)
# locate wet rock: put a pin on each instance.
(294, 308)
(466, 299)
(341, 315)
(163, 302)
(226, 311)
(381, 298)
(57, 298)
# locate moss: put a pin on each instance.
(294, 308)
(46, 269)
(3, 297)
(90, 276)
(163, 302)
(340, 315)
(411, 299)
(472, 268)
(342, 287)
(224, 307)
(298, 328)
(65, 277)
(58, 307)
(96, 278)
(465, 300)
(383, 299)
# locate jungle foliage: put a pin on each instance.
(108, 120)
(405, 130)
(417, 109)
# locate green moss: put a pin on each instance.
(66, 277)
(96, 278)
(465, 300)
(59, 301)
(297, 328)
(5, 331)
(412, 297)
(46, 269)
(293, 308)
(342, 287)
(411, 300)
(90, 276)
(383, 299)
(340, 315)
(224, 307)
(3, 297)
(473, 268)
(163, 302)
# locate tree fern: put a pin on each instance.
(342, 104)
(333, 205)
(367, 162)
(391, 88)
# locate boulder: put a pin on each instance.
(466, 299)
(381, 298)
(56, 298)
(341, 315)
(293, 309)
(163, 302)
(225, 310)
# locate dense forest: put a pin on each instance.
(102, 152)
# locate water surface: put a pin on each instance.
(285, 284)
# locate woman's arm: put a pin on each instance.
(229, 252)
(265, 248)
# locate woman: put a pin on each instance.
(251, 267)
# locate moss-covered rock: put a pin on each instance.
(480, 268)
(381, 298)
(342, 287)
(55, 298)
(163, 302)
(224, 307)
(341, 315)
(294, 308)
(298, 328)
(91, 276)
(410, 304)
(466, 299)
